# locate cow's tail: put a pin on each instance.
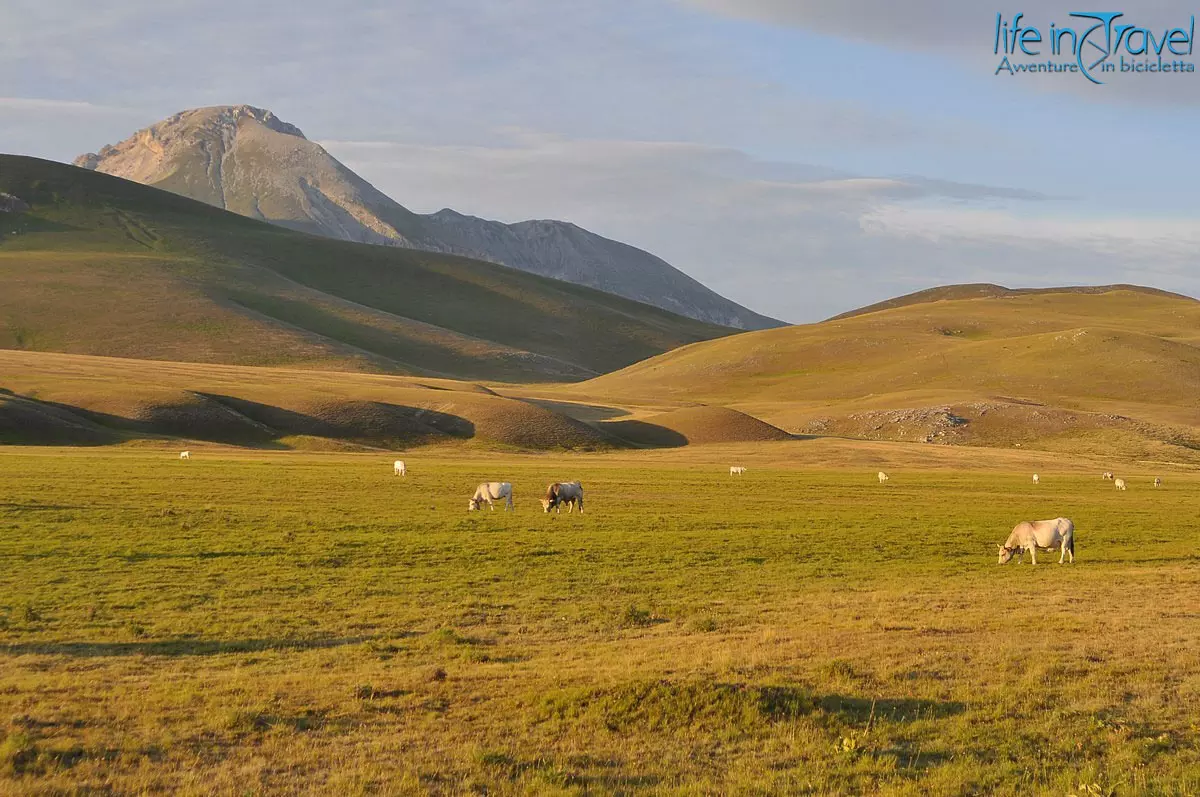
(1071, 544)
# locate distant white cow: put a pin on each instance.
(489, 492)
(1036, 479)
(559, 493)
(883, 477)
(1029, 535)
(1157, 481)
(1107, 475)
(736, 470)
(185, 455)
(1119, 484)
(398, 467)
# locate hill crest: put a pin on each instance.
(988, 290)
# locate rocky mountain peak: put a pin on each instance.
(193, 128)
(249, 161)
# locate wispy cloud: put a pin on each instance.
(799, 242)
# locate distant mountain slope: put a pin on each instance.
(248, 161)
(567, 252)
(100, 265)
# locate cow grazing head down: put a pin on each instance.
(551, 499)
(473, 504)
(1006, 553)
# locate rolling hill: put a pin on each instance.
(104, 266)
(66, 399)
(1116, 366)
(248, 161)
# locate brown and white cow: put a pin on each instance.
(559, 493)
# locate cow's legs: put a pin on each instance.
(1062, 551)
(1033, 554)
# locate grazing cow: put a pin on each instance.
(1157, 481)
(736, 470)
(1107, 475)
(883, 477)
(489, 492)
(1036, 480)
(559, 493)
(1029, 535)
(399, 468)
(185, 455)
(1119, 484)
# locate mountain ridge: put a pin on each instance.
(247, 160)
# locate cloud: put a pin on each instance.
(924, 25)
(965, 31)
(45, 126)
(795, 241)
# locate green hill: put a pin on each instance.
(1096, 368)
(104, 266)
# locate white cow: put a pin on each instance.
(185, 455)
(1036, 480)
(1157, 481)
(489, 492)
(883, 477)
(1107, 475)
(736, 470)
(1119, 484)
(398, 467)
(1029, 535)
(559, 493)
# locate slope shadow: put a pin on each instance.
(233, 421)
(27, 421)
(361, 420)
(641, 434)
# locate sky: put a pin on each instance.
(802, 157)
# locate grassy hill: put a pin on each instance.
(67, 399)
(980, 290)
(104, 266)
(1119, 367)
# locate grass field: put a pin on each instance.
(288, 622)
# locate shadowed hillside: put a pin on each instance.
(101, 265)
(76, 400)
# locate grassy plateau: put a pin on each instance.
(288, 622)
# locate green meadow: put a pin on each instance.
(305, 622)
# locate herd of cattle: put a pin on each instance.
(1027, 536)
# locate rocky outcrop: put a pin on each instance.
(12, 204)
(248, 161)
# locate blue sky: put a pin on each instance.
(800, 156)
